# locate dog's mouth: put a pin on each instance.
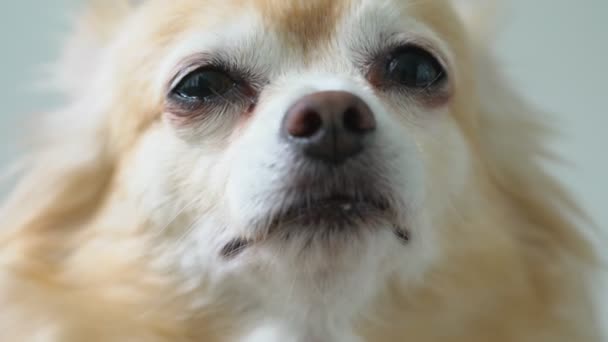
(336, 211)
(321, 217)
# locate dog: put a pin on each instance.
(271, 170)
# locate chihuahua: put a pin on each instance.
(290, 171)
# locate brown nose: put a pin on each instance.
(329, 126)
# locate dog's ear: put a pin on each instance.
(93, 28)
(66, 168)
(514, 137)
(482, 18)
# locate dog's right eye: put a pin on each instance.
(204, 84)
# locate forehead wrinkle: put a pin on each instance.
(302, 24)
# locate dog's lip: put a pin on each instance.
(334, 207)
(339, 210)
(341, 201)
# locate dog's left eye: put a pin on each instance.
(414, 67)
(409, 68)
(204, 84)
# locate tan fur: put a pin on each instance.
(513, 257)
(316, 20)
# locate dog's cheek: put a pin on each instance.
(165, 178)
(447, 161)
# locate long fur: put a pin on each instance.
(60, 282)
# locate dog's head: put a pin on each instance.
(319, 137)
(299, 146)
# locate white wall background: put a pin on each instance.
(555, 50)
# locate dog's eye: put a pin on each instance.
(414, 67)
(204, 84)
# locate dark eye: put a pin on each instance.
(204, 84)
(414, 67)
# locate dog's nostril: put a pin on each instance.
(358, 121)
(306, 124)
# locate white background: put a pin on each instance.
(555, 50)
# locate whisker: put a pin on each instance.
(182, 239)
(176, 216)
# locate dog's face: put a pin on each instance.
(314, 142)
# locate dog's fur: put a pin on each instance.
(113, 232)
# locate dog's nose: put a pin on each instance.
(329, 126)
